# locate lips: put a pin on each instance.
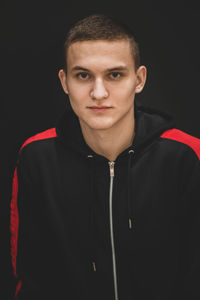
(99, 108)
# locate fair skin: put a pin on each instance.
(102, 73)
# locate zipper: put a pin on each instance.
(111, 165)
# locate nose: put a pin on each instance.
(98, 90)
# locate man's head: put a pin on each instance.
(102, 69)
(101, 27)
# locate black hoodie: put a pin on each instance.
(84, 228)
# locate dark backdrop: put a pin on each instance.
(32, 36)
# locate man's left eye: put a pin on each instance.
(115, 75)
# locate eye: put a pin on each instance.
(82, 75)
(115, 75)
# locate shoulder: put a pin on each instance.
(37, 149)
(183, 138)
(43, 135)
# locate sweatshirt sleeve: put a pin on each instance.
(191, 268)
(14, 229)
(24, 235)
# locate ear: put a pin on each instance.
(141, 78)
(63, 79)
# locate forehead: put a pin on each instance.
(100, 53)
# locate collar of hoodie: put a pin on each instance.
(149, 125)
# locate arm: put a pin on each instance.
(24, 234)
(191, 278)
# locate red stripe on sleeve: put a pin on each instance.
(14, 221)
(182, 137)
(18, 287)
(49, 133)
(14, 215)
(14, 225)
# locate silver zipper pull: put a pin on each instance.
(130, 223)
(94, 266)
(111, 163)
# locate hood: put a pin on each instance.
(149, 125)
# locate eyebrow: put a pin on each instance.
(117, 68)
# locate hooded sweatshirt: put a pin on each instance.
(85, 228)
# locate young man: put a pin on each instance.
(105, 205)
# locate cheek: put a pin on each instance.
(123, 97)
(75, 94)
(78, 92)
(125, 89)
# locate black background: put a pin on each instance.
(32, 36)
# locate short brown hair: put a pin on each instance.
(101, 27)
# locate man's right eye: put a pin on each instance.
(82, 75)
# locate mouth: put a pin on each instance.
(96, 108)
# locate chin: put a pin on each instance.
(100, 127)
(100, 124)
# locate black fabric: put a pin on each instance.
(64, 224)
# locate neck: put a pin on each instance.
(111, 142)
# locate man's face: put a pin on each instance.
(101, 73)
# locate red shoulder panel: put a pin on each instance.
(182, 137)
(49, 133)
